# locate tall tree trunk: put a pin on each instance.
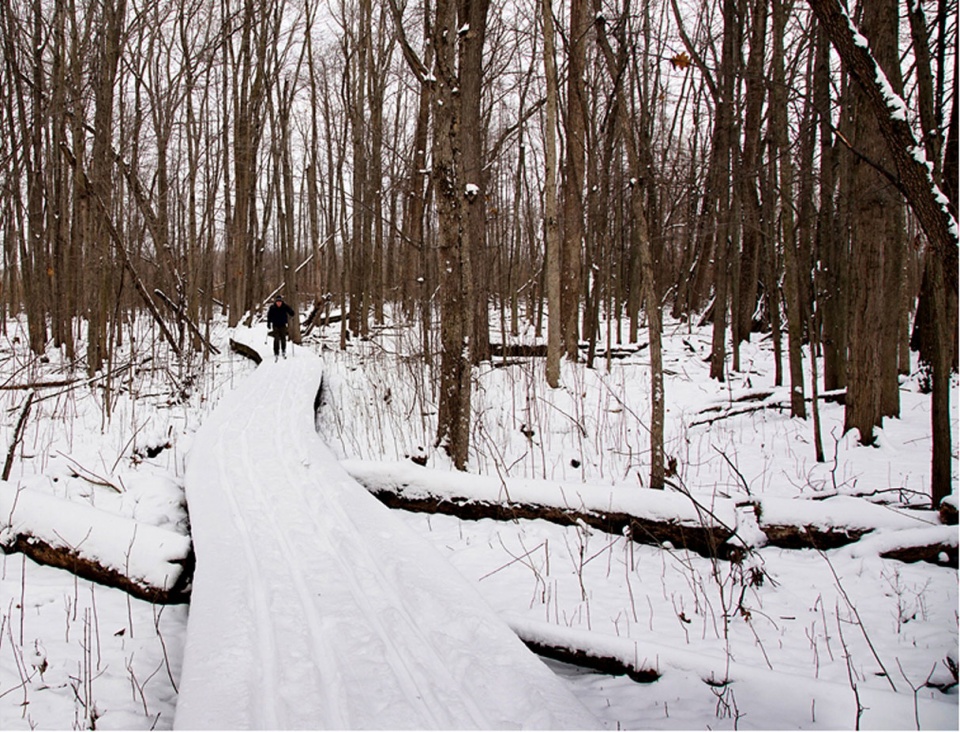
(750, 171)
(791, 278)
(552, 254)
(101, 182)
(573, 178)
(472, 25)
(830, 245)
(723, 143)
(875, 239)
(456, 292)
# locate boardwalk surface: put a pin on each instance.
(314, 607)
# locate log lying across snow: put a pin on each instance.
(146, 561)
(701, 523)
(602, 653)
(649, 517)
(892, 532)
(933, 544)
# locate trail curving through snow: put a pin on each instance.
(313, 607)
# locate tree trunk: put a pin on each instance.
(749, 179)
(830, 245)
(573, 179)
(456, 304)
(915, 177)
(552, 254)
(723, 143)
(472, 25)
(873, 223)
(788, 235)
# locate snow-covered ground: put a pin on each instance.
(788, 639)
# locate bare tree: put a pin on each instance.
(551, 233)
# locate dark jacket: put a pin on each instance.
(279, 314)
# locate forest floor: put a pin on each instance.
(786, 639)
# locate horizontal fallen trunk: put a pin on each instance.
(38, 385)
(874, 530)
(799, 536)
(786, 523)
(727, 411)
(604, 654)
(539, 350)
(705, 539)
(146, 561)
(585, 658)
(937, 553)
(244, 350)
(89, 569)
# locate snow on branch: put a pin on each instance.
(928, 202)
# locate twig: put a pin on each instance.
(916, 690)
(37, 385)
(96, 480)
(734, 468)
(181, 313)
(853, 609)
(849, 661)
(17, 434)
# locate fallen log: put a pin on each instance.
(707, 541)
(867, 528)
(518, 350)
(614, 656)
(38, 385)
(539, 350)
(86, 568)
(809, 536)
(146, 561)
(592, 660)
(660, 518)
(244, 350)
(932, 544)
(937, 553)
(948, 512)
(670, 518)
(766, 403)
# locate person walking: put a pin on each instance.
(278, 317)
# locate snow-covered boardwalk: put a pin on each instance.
(314, 607)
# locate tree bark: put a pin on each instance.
(573, 178)
(916, 182)
(788, 235)
(749, 180)
(552, 253)
(456, 301)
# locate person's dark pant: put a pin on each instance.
(279, 339)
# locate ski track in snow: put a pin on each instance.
(314, 607)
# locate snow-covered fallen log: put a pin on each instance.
(146, 561)
(595, 651)
(797, 695)
(800, 523)
(699, 523)
(933, 544)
